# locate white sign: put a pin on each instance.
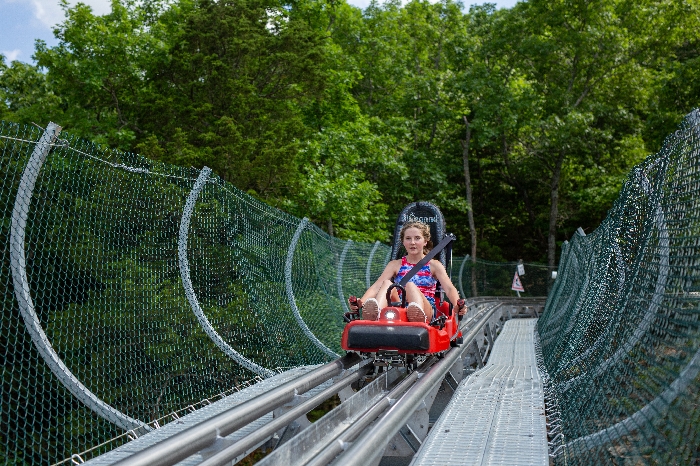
(521, 269)
(517, 286)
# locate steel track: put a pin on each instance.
(358, 430)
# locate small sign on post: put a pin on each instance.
(517, 286)
(521, 269)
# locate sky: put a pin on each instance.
(24, 21)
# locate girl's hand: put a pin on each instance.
(355, 304)
(461, 308)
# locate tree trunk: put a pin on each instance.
(330, 226)
(554, 213)
(512, 179)
(470, 211)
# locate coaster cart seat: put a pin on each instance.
(392, 339)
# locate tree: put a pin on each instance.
(194, 83)
(582, 58)
(25, 96)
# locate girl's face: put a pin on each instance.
(414, 241)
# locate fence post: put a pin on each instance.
(290, 291)
(369, 263)
(339, 275)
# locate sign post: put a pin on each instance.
(517, 286)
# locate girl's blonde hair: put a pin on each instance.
(424, 231)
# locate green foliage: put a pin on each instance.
(344, 116)
(335, 187)
(25, 96)
(328, 112)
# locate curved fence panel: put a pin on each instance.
(620, 334)
(147, 290)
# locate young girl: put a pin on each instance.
(420, 290)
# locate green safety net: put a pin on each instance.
(149, 290)
(487, 278)
(620, 334)
(133, 312)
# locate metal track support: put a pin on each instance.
(186, 443)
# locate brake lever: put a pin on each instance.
(353, 302)
(460, 305)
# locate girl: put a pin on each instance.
(420, 290)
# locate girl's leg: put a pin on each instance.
(381, 295)
(373, 306)
(413, 294)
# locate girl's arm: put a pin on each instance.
(439, 272)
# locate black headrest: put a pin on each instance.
(421, 212)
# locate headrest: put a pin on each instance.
(427, 213)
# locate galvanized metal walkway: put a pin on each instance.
(496, 416)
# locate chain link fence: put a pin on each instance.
(620, 334)
(486, 278)
(135, 290)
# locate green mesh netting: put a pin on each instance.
(620, 336)
(149, 289)
(132, 309)
(486, 278)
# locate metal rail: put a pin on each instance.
(336, 445)
(230, 453)
(194, 439)
(370, 445)
(336, 435)
(309, 442)
(327, 444)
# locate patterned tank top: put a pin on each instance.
(424, 280)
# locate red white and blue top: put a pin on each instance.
(424, 279)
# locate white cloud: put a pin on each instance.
(49, 12)
(11, 55)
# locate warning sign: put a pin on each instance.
(517, 286)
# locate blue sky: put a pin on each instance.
(24, 21)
